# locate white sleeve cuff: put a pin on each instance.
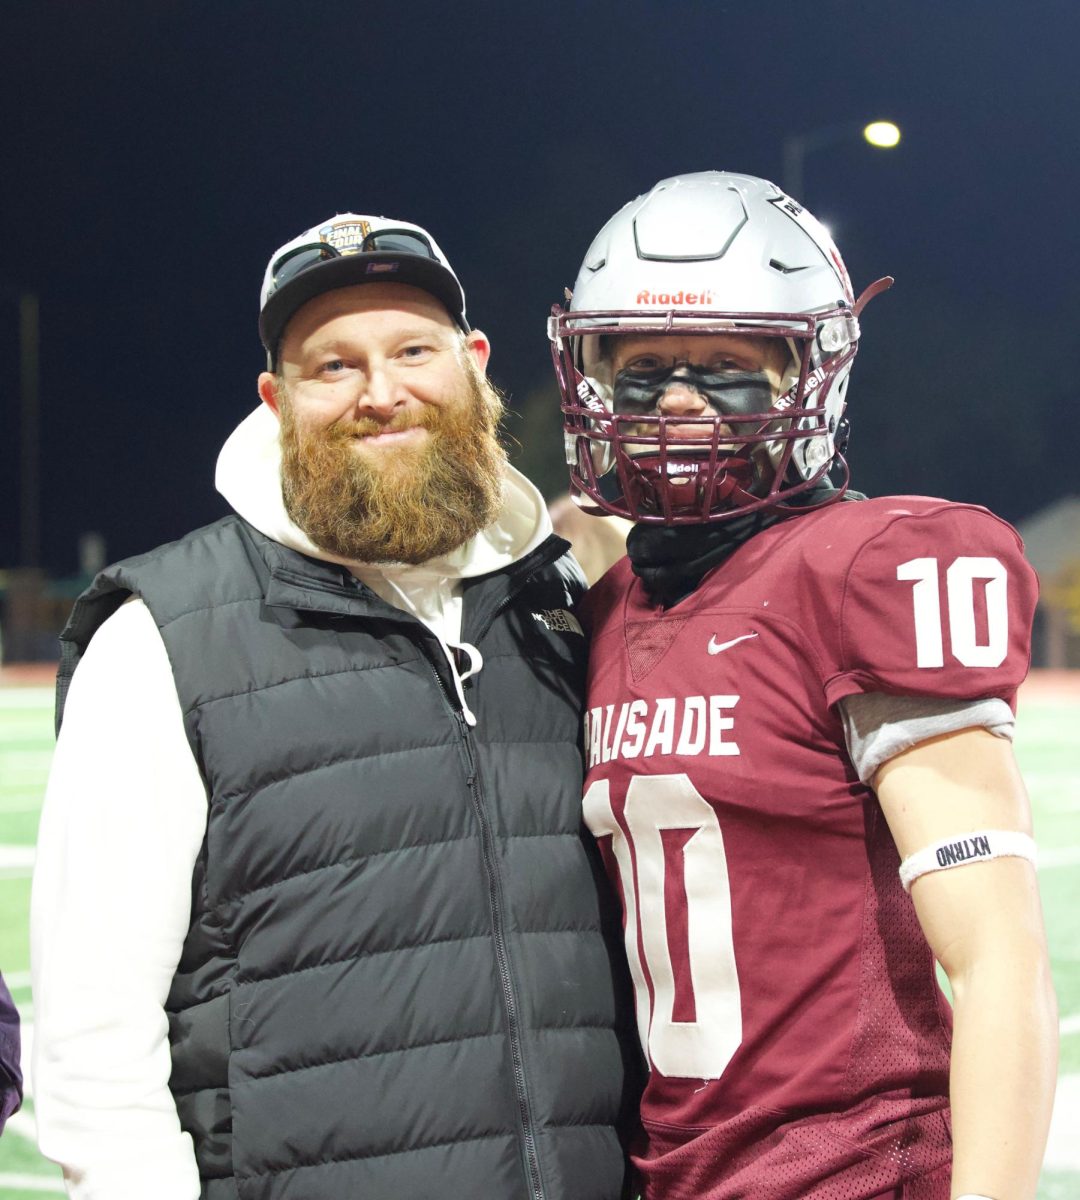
(878, 726)
(168, 1173)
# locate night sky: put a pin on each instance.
(155, 153)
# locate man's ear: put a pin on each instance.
(268, 392)
(477, 345)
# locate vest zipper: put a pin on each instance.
(502, 958)
(545, 555)
(526, 1125)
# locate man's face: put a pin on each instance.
(673, 375)
(388, 426)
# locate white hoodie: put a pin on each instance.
(122, 825)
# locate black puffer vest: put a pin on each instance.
(398, 981)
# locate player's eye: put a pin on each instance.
(645, 363)
(724, 362)
(333, 366)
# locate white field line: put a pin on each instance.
(1067, 804)
(1070, 1025)
(16, 862)
(27, 697)
(17, 979)
(16, 857)
(21, 802)
(22, 1125)
(1059, 856)
(30, 1183)
(1062, 1146)
(24, 767)
(1055, 791)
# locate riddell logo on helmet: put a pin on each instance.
(588, 397)
(814, 380)
(665, 299)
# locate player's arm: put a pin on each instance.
(984, 923)
(123, 821)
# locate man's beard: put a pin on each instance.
(419, 501)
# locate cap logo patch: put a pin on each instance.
(345, 236)
(381, 268)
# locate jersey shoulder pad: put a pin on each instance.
(917, 596)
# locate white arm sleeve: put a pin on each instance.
(878, 726)
(123, 821)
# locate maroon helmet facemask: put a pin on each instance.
(628, 464)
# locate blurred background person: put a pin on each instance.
(10, 1070)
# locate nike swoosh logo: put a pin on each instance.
(715, 647)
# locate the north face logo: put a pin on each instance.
(559, 620)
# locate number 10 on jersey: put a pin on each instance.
(669, 851)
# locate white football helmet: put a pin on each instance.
(702, 254)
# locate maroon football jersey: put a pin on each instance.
(787, 1002)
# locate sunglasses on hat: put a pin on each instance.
(299, 259)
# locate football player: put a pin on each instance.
(798, 738)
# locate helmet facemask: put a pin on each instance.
(754, 447)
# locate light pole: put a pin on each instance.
(883, 134)
(29, 425)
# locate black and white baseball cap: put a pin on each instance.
(349, 249)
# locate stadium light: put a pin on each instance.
(882, 134)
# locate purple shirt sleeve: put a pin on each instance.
(10, 1074)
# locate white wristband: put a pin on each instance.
(961, 850)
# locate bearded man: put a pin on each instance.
(313, 915)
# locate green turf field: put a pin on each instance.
(1046, 747)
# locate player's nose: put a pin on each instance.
(680, 399)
